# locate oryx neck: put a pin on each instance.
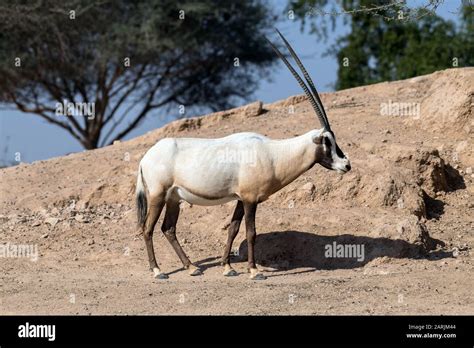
(293, 156)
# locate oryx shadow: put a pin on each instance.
(287, 250)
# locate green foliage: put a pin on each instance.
(187, 61)
(393, 41)
(308, 13)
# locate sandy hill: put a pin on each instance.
(408, 200)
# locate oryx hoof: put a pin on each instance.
(229, 271)
(158, 274)
(194, 271)
(161, 276)
(256, 275)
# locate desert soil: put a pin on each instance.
(408, 201)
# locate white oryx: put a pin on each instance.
(246, 167)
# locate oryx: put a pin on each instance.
(197, 171)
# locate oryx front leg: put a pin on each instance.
(249, 211)
(232, 232)
(169, 229)
(155, 208)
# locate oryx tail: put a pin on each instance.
(141, 199)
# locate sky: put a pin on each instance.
(28, 138)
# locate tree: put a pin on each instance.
(125, 58)
(391, 41)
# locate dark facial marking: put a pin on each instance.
(339, 152)
(327, 151)
(323, 153)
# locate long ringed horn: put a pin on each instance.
(301, 83)
(308, 79)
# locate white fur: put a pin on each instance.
(194, 169)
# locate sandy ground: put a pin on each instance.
(408, 201)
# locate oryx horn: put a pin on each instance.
(313, 97)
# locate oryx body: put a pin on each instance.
(247, 167)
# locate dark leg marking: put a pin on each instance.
(232, 233)
(249, 211)
(169, 230)
(151, 219)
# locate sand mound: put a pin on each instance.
(449, 102)
(395, 177)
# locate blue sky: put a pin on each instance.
(35, 139)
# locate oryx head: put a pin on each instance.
(328, 153)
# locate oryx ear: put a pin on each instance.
(318, 140)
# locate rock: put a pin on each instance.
(116, 142)
(296, 99)
(469, 170)
(81, 218)
(410, 230)
(13, 219)
(432, 172)
(455, 252)
(308, 187)
(461, 146)
(45, 236)
(395, 189)
(36, 223)
(43, 212)
(254, 109)
(52, 221)
(55, 211)
(189, 124)
(90, 242)
(304, 193)
(81, 205)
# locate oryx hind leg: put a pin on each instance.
(232, 233)
(155, 207)
(250, 210)
(169, 230)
